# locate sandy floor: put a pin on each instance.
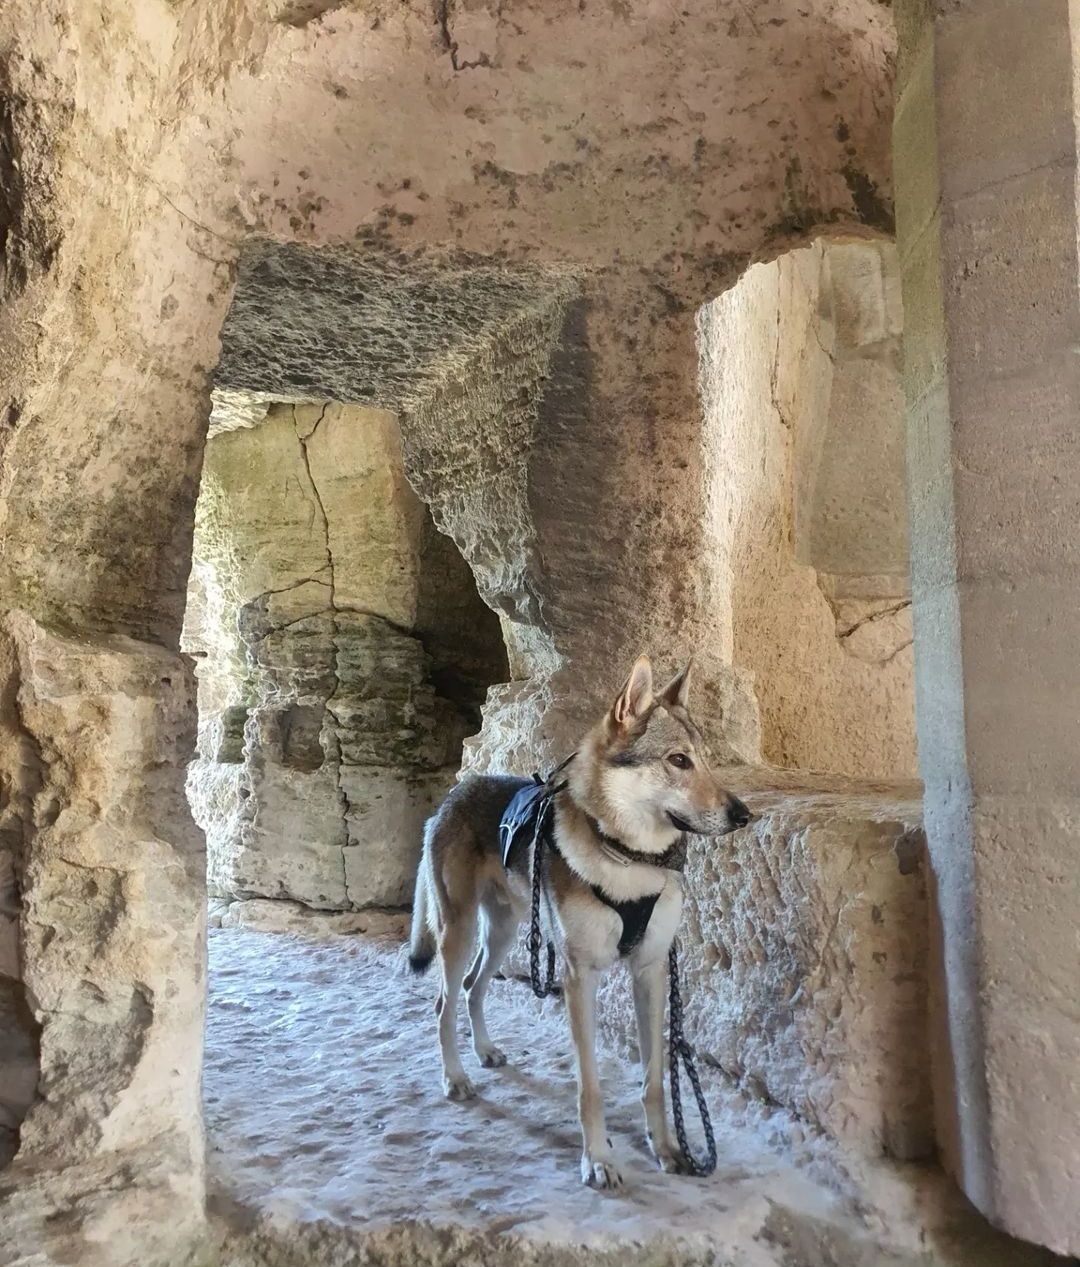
(324, 1110)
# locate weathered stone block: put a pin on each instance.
(1010, 302)
(1022, 633)
(291, 840)
(863, 309)
(367, 652)
(385, 820)
(804, 960)
(990, 130)
(113, 918)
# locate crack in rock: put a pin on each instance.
(314, 579)
(872, 617)
(446, 37)
(338, 610)
(332, 611)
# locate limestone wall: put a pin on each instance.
(550, 418)
(343, 657)
(141, 147)
(807, 515)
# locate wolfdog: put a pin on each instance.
(639, 782)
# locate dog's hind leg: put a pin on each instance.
(496, 935)
(456, 941)
(597, 1167)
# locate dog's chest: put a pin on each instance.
(663, 923)
(595, 932)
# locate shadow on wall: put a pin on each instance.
(804, 436)
(343, 650)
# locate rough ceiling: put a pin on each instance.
(311, 323)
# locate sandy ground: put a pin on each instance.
(324, 1110)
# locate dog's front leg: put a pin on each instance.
(649, 982)
(597, 1167)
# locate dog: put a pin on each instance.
(638, 784)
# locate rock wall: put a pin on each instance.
(344, 654)
(141, 147)
(111, 305)
(112, 943)
(550, 419)
(807, 519)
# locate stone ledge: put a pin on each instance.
(804, 959)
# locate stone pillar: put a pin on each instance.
(985, 166)
(617, 500)
(98, 472)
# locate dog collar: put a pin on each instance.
(671, 859)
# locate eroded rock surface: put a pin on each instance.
(113, 936)
(804, 958)
(344, 656)
(804, 439)
(561, 448)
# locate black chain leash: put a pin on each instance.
(679, 1049)
(540, 988)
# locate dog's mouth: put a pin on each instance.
(680, 824)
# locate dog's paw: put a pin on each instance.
(458, 1087)
(669, 1157)
(492, 1058)
(600, 1174)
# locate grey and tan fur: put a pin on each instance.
(642, 776)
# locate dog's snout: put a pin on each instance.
(738, 812)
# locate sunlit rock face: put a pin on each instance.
(807, 519)
(343, 656)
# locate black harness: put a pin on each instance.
(635, 917)
(526, 818)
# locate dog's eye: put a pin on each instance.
(680, 761)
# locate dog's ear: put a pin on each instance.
(677, 690)
(636, 697)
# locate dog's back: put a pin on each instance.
(461, 858)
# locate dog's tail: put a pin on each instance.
(422, 936)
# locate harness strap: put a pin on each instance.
(635, 916)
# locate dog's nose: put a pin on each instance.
(738, 812)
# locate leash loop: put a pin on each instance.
(541, 988)
(679, 1050)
